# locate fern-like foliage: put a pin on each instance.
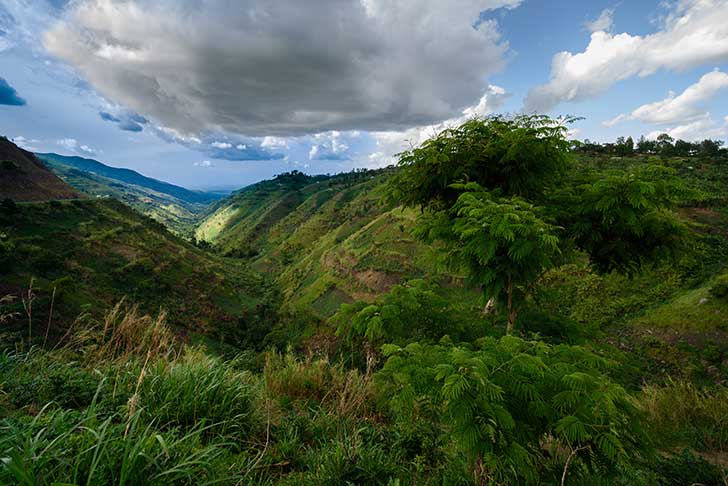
(623, 219)
(408, 312)
(520, 156)
(503, 244)
(513, 406)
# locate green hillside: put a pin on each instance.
(313, 335)
(177, 208)
(326, 241)
(91, 254)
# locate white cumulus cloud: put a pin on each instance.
(694, 33)
(74, 146)
(390, 143)
(686, 107)
(604, 22)
(695, 131)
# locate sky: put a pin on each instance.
(218, 94)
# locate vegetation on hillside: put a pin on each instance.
(61, 260)
(503, 308)
(177, 208)
(24, 178)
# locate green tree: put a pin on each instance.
(523, 156)
(623, 219)
(502, 243)
(710, 148)
(624, 147)
(664, 144)
(497, 193)
(645, 146)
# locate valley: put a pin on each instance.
(298, 332)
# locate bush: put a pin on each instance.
(35, 379)
(719, 289)
(318, 383)
(512, 407)
(687, 468)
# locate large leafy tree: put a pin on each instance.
(522, 156)
(503, 196)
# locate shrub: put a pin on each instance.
(687, 468)
(35, 379)
(720, 287)
(345, 393)
(512, 406)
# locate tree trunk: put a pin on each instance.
(512, 310)
(489, 307)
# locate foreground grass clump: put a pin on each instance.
(683, 413)
(70, 448)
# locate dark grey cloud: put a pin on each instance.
(108, 117)
(255, 67)
(129, 122)
(8, 95)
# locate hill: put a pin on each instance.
(180, 214)
(24, 178)
(621, 376)
(84, 256)
(129, 176)
(332, 240)
(327, 240)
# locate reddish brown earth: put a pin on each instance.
(24, 178)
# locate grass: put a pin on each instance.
(691, 311)
(129, 394)
(683, 414)
(158, 414)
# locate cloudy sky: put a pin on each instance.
(222, 93)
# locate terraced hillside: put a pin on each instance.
(176, 207)
(81, 257)
(326, 240)
(332, 240)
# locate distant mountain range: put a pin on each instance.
(129, 176)
(24, 178)
(176, 207)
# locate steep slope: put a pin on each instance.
(24, 178)
(179, 214)
(333, 240)
(83, 256)
(326, 240)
